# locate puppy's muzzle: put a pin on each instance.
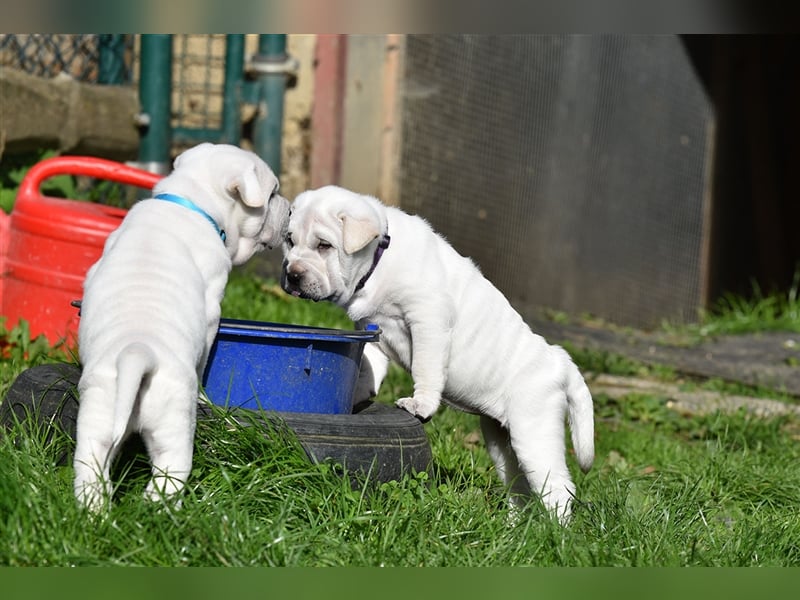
(292, 278)
(294, 274)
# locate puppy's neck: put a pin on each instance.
(382, 245)
(186, 203)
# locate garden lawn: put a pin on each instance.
(666, 489)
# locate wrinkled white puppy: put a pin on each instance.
(151, 309)
(451, 328)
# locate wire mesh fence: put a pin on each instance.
(197, 75)
(573, 169)
(197, 68)
(77, 55)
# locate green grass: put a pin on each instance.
(666, 489)
(732, 314)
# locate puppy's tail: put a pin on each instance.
(580, 414)
(134, 362)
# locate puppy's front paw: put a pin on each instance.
(420, 406)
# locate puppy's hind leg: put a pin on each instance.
(170, 444)
(536, 428)
(498, 445)
(94, 449)
(171, 457)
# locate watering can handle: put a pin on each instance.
(83, 165)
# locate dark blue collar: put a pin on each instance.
(382, 245)
(192, 206)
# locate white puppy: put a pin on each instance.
(151, 309)
(451, 328)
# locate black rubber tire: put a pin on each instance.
(44, 398)
(379, 440)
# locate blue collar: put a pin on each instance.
(192, 206)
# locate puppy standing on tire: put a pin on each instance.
(451, 328)
(151, 309)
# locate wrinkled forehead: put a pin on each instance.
(311, 220)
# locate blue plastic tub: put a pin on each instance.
(287, 368)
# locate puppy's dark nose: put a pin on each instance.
(294, 275)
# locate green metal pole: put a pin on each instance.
(272, 65)
(112, 59)
(232, 89)
(155, 90)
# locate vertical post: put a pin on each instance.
(155, 95)
(330, 73)
(232, 88)
(111, 69)
(272, 65)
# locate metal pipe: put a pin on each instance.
(271, 66)
(232, 89)
(111, 68)
(155, 94)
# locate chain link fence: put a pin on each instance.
(77, 55)
(198, 77)
(197, 68)
(197, 74)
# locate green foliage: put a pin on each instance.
(14, 170)
(15, 167)
(18, 345)
(251, 297)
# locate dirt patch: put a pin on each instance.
(768, 359)
(694, 402)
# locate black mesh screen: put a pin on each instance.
(572, 169)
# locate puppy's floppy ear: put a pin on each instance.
(246, 186)
(357, 233)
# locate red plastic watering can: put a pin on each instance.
(48, 244)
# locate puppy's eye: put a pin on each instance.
(288, 240)
(323, 245)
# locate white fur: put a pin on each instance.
(451, 328)
(151, 309)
